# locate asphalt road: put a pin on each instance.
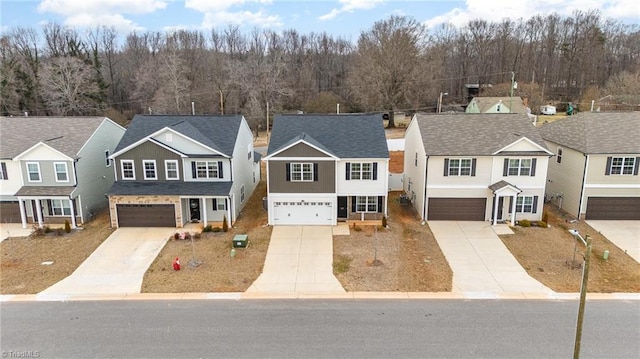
(318, 329)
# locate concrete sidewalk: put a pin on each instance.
(624, 234)
(480, 261)
(299, 259)
(117, 265)
(14, 230)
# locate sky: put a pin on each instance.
(345, 18)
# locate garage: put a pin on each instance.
(456, 209)
(613, 208)
(302, 213)
(10, 212)
(146, 215)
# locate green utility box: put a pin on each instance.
(240, 241)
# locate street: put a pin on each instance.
(318, 329)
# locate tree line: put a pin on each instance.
(396, 65)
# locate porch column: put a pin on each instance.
(495, 209)
(73, 215)
(39, 210)
(513, 210)
(227, 201)
(204, 212)
(23, 213)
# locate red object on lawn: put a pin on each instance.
(176, 264)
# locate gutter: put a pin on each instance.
(584, 183)
(424, 200)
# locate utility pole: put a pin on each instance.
(583, 292)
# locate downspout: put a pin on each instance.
(424, 200)
(584, 183)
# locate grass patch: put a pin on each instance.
(341, 264)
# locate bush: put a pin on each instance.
(216, 230)
(47, 229)
(225, 226)
(524, 223)
(67, 226)
(384, 221)
(176, 236)
(542, 224)
(207, 228)
(36, 230)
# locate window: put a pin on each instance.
(249, 150)
(219, 204)
(362, 171)
(301, 172)
(107, 161)
(524, 204)
(416, 160)
(460, 167)
(33, 170)
(241, 194)
(60, 207)
(559, 155)
(128, 171)
(519, 167)
(206, 169)
(3, 171)
(149, 169)
(171, 169)
(622, 165)
(61, 172)
(366, 204)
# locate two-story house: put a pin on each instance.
(475, 167)
(55, 168)
(497, 105)
(322, 169)
(594, 174)
(171, 170)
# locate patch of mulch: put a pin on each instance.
(548, 256)
(405, 257)
(21, 269)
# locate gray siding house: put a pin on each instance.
(55, 168)
(171, 170)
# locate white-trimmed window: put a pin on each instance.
(150, 172)
(361, 171)
(219, 204)
(60, 207)
(206, 169)
(33, 172)
(519, 167)
(5, 176)
(366, 204)
(62, 175)
(622, 165)
(302, 172)
(524, 204)
(459, 167)
(171, 169)
(242, 194)
(128, 170)
(559, 155)
(107, 160)
(249, 150)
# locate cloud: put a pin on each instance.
(217, 12)
(83, 13)
(350, 6)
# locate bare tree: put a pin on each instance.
(68, 86)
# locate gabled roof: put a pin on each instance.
(513, 103)
(344, 135)
(597, 132)
(64, 134)
(474, 134)
(216, 132)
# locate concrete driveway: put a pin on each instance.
(624, 234)
(299, 259)
(118, 265)
(13, 230)
(480, 261)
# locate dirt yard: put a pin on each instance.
(404, 257)
(22, 271)
(547, 255)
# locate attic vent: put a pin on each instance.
(54, 138)
(168, 137)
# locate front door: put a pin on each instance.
(194, 208)
(500, 205)
(342, 207)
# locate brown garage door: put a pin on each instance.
(613, 208)
(10, 212)
(146, 215)
(456, 209)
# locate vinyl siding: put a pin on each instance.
(413, 184)
(278, 181)
(148, 151)
(47, 173)
(242, 168)
(301, 150)
(10, 186)
(598, 166)
(363, 187)
(566, 178)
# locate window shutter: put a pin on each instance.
(5, 176)
(50, 207)
(347, 169)
(510, 203)
(380, 204)
(353, 204)
(193, 170)
(214, 203)
(473, 167)
(220, 175)
(533, 167)
(375, 171)
(505, 168)
(315, 172)
(635, 169)
(608, 170)
(535, 204)
(446, 167)
(288, 172)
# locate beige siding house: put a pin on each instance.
(497, 105)
(477, 167)
(594, 174)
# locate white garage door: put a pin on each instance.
(302, 213)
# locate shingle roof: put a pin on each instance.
(65, 134)
(217, 132)
(45, 191)
(597, 132)
(477, 134)
(514, 103)
(345, 135)
(138, 188)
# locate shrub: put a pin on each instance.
(47, 229)
(207, 228)
(67, 226)
(384, 221)
(542, 224)
(225, 226)
(36, 230)
(524, 223)
(216, 230)
(176, 236)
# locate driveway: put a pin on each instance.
(480, 261)
(118, 265)
(299, 259)
(13, 230)
(624, 234)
